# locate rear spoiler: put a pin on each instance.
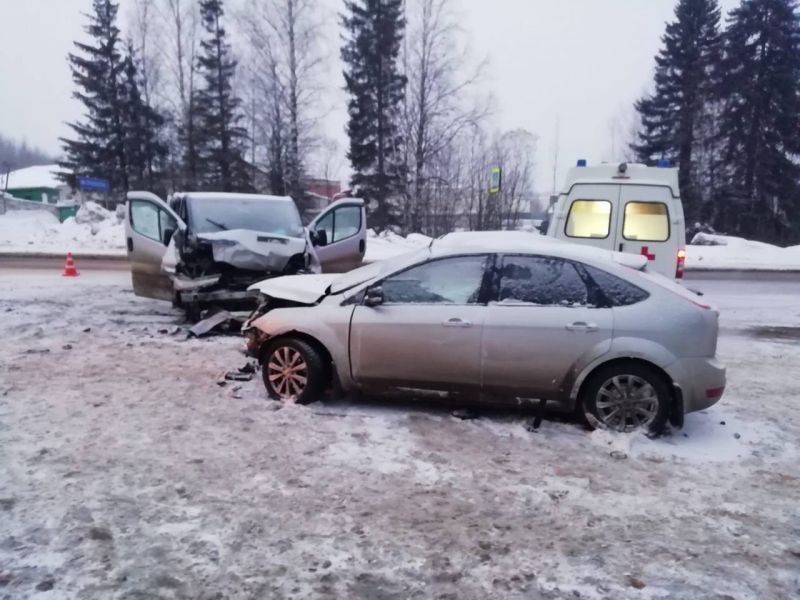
(633, 261)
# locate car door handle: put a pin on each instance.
(130, 244)
(456, 322)
(582, 326)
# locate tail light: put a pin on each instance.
(681, 264)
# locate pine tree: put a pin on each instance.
(675, 116)
(218, 136)
(373, 34)
(761, 121)
(144, 151)
(98, 149)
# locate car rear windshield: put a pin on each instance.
(277, 216)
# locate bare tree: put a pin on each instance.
(439, 102)
(145, 33)
(514, 152)
(284, 40)
(170, 30)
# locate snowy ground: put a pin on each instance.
(127, 472)
(37, 232)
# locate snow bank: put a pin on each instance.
(710, 252)
(33, 177)
(93, 230)
(387, 244)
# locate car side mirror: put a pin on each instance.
(168, 233)
(319, 237)
(374, 296)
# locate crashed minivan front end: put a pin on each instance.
(204, 249)
(219, 267)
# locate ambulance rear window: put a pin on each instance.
(589, 219)
(646, 222)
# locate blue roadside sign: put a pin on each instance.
(93, 183)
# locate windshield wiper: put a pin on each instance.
(220, 225)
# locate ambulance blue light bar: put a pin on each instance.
(581, 162)
(663, 164)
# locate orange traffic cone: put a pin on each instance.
(69, 267)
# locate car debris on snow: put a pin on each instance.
(238, 376)
(219, 321)
(465, 414)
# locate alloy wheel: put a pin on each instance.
(287, 372)
(626, 403)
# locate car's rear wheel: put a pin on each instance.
(626, 397)
(293, 371)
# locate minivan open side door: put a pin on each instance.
(340, 235)
(149, 227)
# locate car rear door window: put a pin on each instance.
(646, 222)
(589, 219)
(541, 281)
(456, 280)
(616, 291)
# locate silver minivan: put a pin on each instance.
(206, 248)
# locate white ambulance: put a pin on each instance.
(627, 208)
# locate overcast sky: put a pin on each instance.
(570, 67)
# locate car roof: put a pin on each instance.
(521, 242)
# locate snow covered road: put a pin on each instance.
(127, 472)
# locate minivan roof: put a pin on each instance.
(635, 174)
(230, 196)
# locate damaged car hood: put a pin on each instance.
(253, 250)
(306, 289)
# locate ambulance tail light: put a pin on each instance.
(680, 264)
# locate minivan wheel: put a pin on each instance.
(293, 371)
(626, 397)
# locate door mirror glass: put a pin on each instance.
(324, 227)
(374, 296)
(319, 237)
(168, 233)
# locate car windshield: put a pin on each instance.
(376, 269)
(278, 216)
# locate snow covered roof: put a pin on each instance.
(635, 174)
(523, 242)
(33, 177)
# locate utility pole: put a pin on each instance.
(7, 166)
(555, 154)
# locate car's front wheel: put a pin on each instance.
(293, 371)
(626, 397)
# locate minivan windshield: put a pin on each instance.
(278, 216)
